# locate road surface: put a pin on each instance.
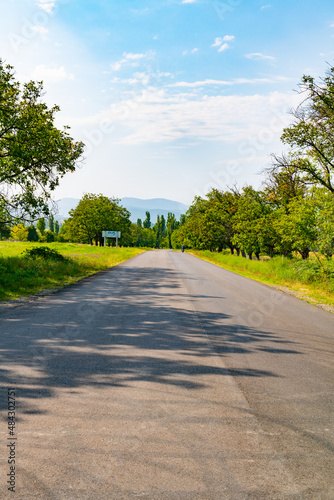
(168, 378)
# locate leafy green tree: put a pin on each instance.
(4, 231)
(192, 232)
(311, 136)
(139, 223)
(66, 232)
(147, 222)
(253, 224)
(32, 233)
(172, 225)
(19, 233)
(49, 236)
(158, 231)
(148, 238)
(246, 223)
(283, 185)
(41, 226)
(57, 228)
(298, 228)
(324, 207)
(51, 223)
(34, 154)
(97, 213)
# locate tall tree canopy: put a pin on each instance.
(34, 154)
(311, 136)
(96, 213)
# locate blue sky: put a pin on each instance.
(171, 97)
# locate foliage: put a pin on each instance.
(41, 226)
(45, 253)
(297, 228)
(19, 233)
(311, 136)
(51, 223)
(94, 214)
(34, 154)
(284, 218)
(32, 233)
(147, 222)
(49, 236)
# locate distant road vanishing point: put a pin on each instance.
(168, 378)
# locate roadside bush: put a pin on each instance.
(44, 253)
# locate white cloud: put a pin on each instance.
(223, 47)
(228, 38)
(158, 117)
(221, 44)
(193, 51)
(236, 81)
(257, 56)
(130, 59)
(188, 1)
(51, 74)
(46, 5)
(217, 43)
(265, 6)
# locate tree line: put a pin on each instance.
(293, 212)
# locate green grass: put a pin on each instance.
(311, 279)
(20, 276)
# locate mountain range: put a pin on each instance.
(136, 206)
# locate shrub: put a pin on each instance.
(45, 253)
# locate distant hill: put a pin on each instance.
(136, 206)
(156, 206)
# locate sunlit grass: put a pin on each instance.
(20, 276)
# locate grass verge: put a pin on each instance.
(21, 276)
(311, 280)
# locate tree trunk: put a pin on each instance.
(305, 252)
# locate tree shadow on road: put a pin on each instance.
(122, 326)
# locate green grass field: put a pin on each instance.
(20, 276)
(312, 279)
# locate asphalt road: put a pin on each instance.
(168, 378)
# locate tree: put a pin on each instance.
(32, 233)
(51, 223)
(298, 228)
(41, 226)
(172, 225)
(34, 154)
(158, 231)
(94, 214)
(147, 221)
(282, 185)
(57, 228)
(324, 207)
(311, 136)
(139, 223)
(19, 233)
(49, 236)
